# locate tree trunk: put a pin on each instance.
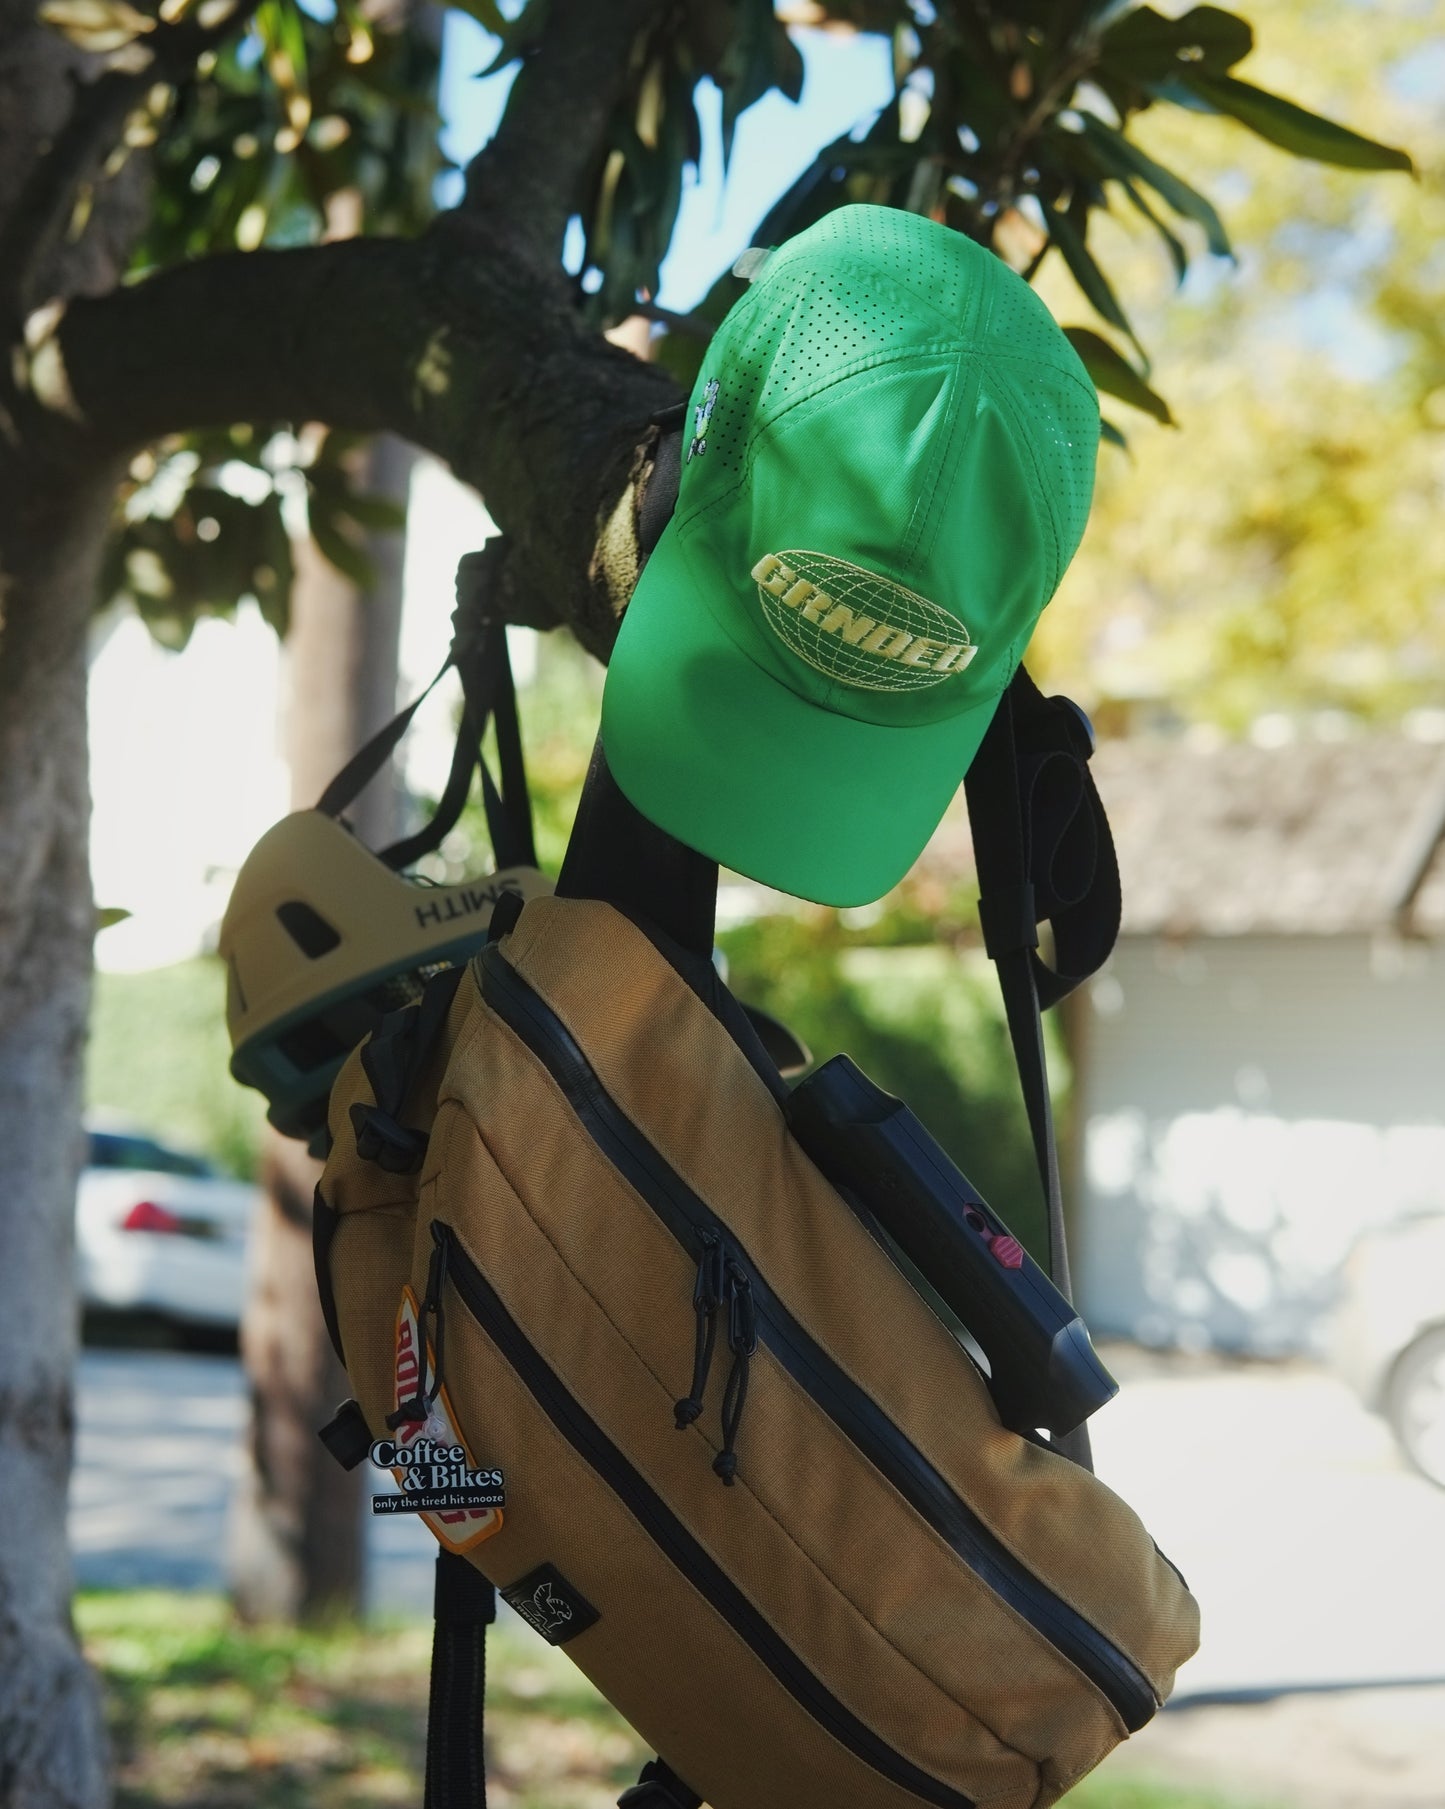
(54, 515)
(52, 1744)
(297, 1533)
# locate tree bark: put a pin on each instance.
(461, 341)
(296, 1534)
(295, 1531)
(467, 342)
(54, 516)
(52, 1746)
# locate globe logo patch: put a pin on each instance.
(857, 627)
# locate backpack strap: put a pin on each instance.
(1044, 853)
(659, 499)
(464, 1606)
(391, 1058)
(487, 695)
(616, 854)
(479, 653)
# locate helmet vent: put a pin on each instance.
(307, 928)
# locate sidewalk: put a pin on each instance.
(1318, 1559)
(158, 1451)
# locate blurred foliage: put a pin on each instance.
(921, 1018)
(159, 1053)
(1011, 123)
(207, 519)
(298, 127)
(1015, 123)
(207, 1714)
(1279, 556)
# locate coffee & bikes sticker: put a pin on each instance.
(434, 1471)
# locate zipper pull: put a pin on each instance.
(742, 1342)
(707, 1295)
(419, 1406)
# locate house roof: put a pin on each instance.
(1308, 838)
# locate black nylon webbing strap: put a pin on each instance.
(659, 499)
(479, 652)
(1044, 854)
(368, 760)
(616, 854)
(465, 1604)
(511, 827)
(391, 1059)
(450, 805)
(487, 694)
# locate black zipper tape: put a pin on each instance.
(673, 1539)
(857, 1415)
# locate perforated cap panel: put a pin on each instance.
(867, 282)
(891, 461)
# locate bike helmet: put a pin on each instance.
(321, 939)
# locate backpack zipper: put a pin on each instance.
(855, 1413)
(671, 1537)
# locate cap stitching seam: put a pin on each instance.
(1084, 383)
(880, 365)
(1009, 403)
(968, 381)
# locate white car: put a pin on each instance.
(158, 1230)
(1389, 1335)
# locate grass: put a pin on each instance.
(158, 1052)
(206, 1714)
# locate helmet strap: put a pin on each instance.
(479, 652)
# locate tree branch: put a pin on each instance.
(97, 121)
(458, 341)
(532, 172)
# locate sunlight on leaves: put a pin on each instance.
(96, 25)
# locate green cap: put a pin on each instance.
(890, 466)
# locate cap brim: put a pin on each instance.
(722, 755)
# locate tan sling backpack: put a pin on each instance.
(702, 1414)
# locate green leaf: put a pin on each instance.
(880, 16)
(760, 56)
(1175, 246)
(347, 555)
(378, 514)
(825, 183)
(1109, 432)
(1087, 274)
(1122, 158)
(486, 13)
(1146, 47)
(1290, 127)
(1113, 373)
(98, 26)
(1178, 94)
(518, 36)
(283, 37)
(106, 915)
(787, 64)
